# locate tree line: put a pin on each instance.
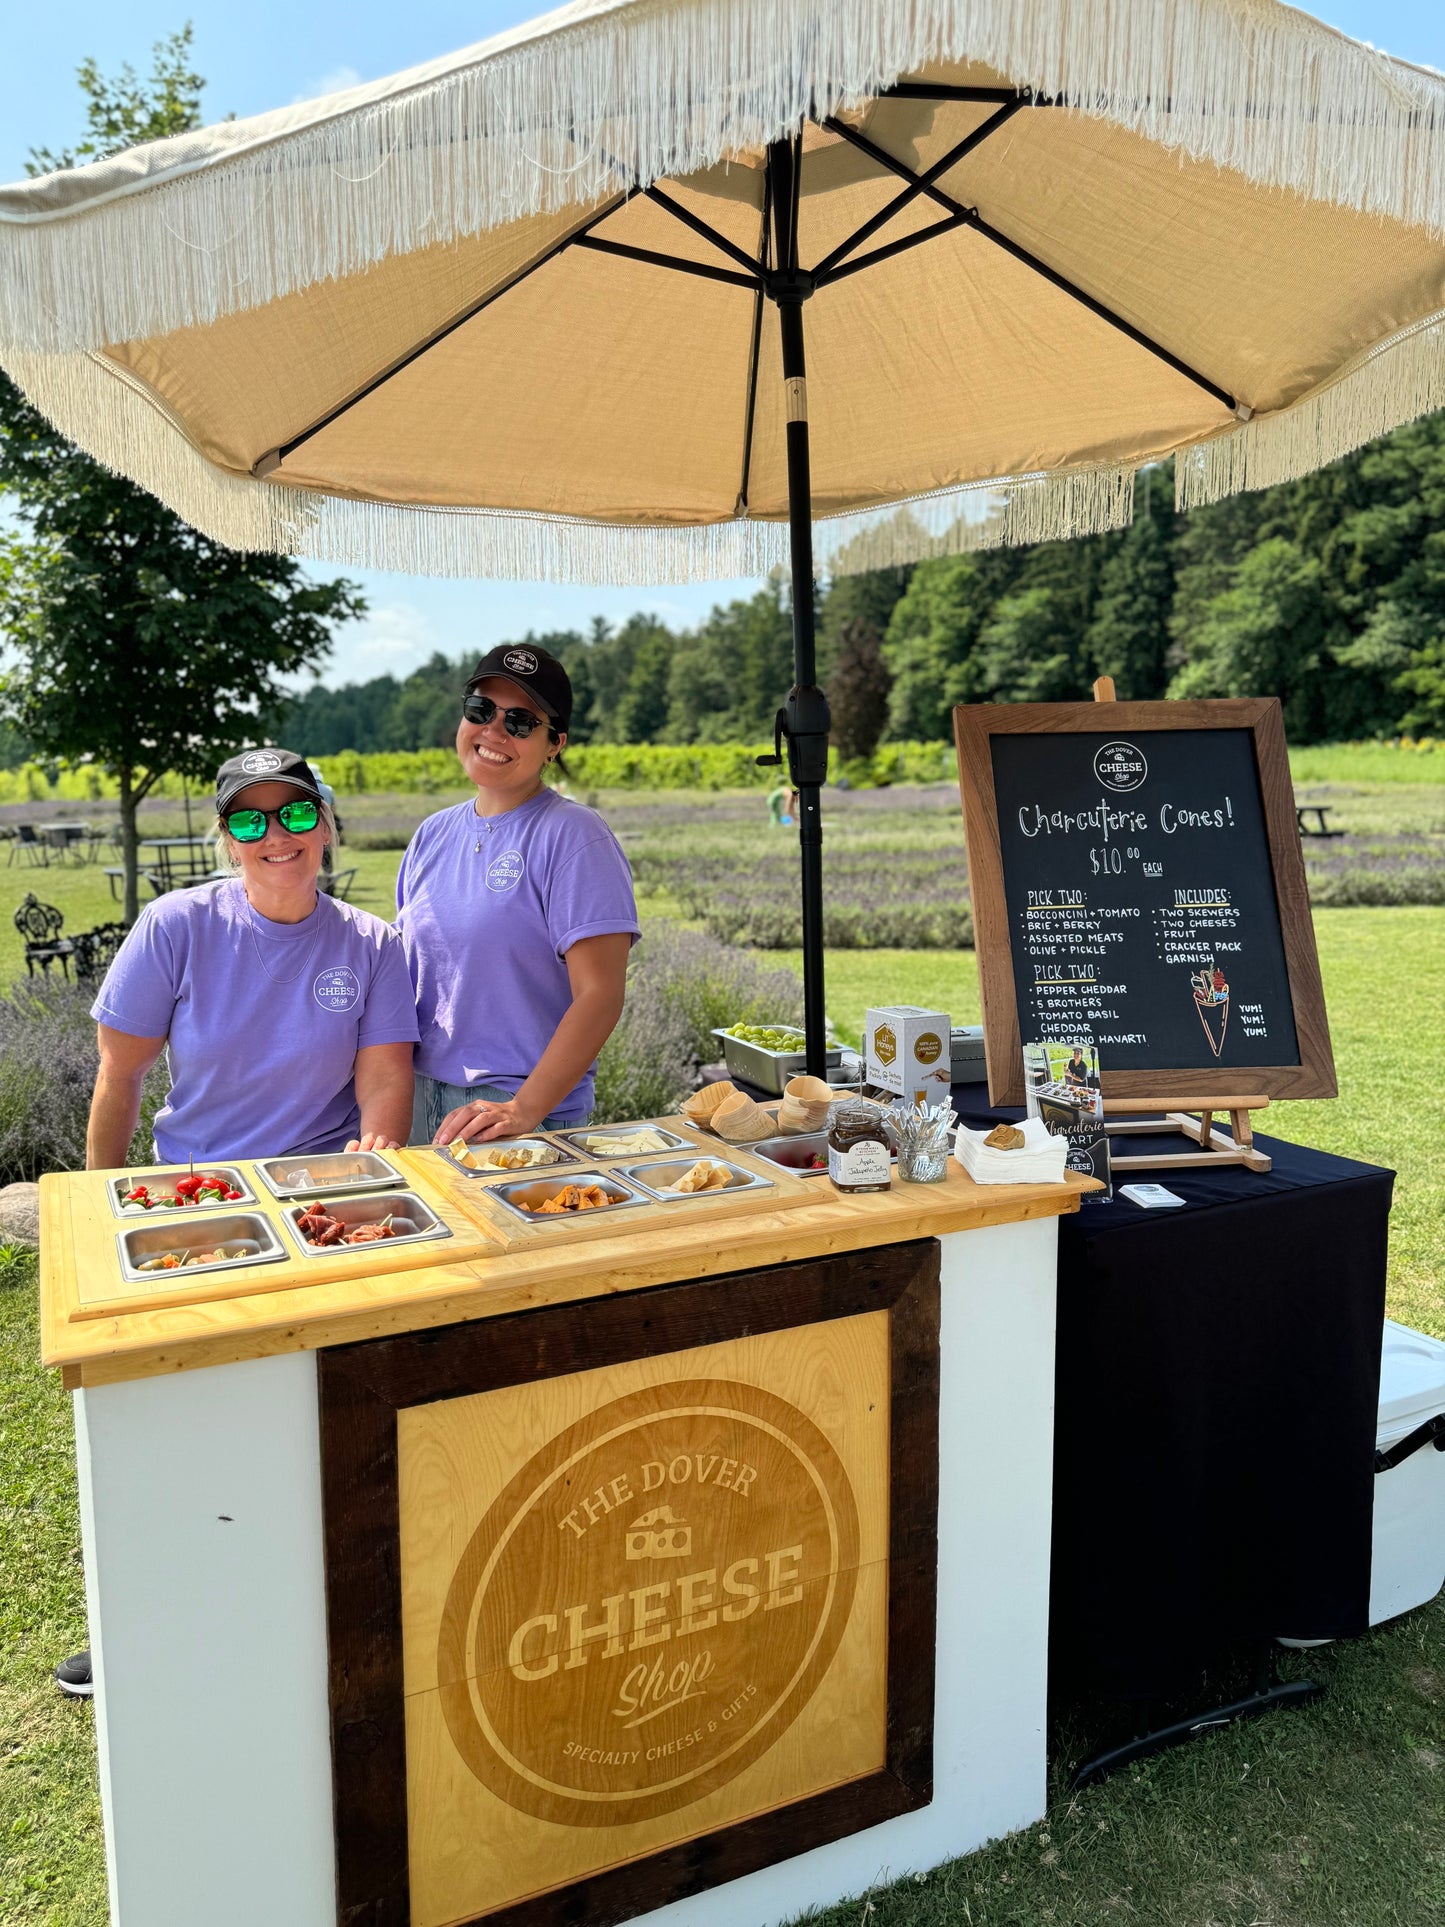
(1327, 592)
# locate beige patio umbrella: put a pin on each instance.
(509, 314)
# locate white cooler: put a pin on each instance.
(1408, 1560)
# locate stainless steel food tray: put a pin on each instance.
(565, 1155)
(117, 1186)
(782, 1151)
(413, 1219)
(251, 1235)
(579, 1139)
(519, 1192)
(327, 1171)
(653, 1175)
(769, 1068)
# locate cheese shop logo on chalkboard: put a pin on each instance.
(1120, 766)
(649, 1604)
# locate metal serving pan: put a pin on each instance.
(411, 1220)
(521, 1195)
(245, 1234)
(796, 1153)
(314, 1174)
(769, 1068)
(654, 1175)
(579, 1138)
(563, 1155)
(117, 1187)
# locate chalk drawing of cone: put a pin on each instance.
(1211, 1000)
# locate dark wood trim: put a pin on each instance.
(362, 1387)
(974, 724)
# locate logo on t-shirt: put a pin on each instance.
(337, 989)
(260, 761)
(522, 660)
(506, 871)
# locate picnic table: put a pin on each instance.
(173, 863)
(65, 837)
(1319, 811)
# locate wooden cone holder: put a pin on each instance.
(1191, 1117)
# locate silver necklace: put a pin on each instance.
(492, 821)
(301, 968)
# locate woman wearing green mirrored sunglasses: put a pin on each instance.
(289, 1016)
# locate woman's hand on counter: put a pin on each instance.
(484, 1119)
(375, 1141)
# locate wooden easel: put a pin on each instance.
(1191, 1117)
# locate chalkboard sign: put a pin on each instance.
(1138, 884)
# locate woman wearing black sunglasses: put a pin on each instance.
(289, 1017)
(517, 912)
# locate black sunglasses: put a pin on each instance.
(249, 826)
(517, 722)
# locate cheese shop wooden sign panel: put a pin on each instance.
(1138, 885)
(659, 1598)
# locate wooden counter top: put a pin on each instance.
(304, 1315)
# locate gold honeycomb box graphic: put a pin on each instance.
(659, 1535)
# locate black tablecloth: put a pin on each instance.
(1217, 1387)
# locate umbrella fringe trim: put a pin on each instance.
(1243, 83)
(126, 427)
(1397, 381)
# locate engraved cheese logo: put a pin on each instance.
(259, 762)
(522, 660)
(885, 1044)
(649, 1604)
(1120, 766)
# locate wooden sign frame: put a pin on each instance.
(362, 1389)
(974, 727)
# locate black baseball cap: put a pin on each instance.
(535, 670)
(264, 766)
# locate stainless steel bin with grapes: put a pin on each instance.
(768, 1054)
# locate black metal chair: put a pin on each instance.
(95, 950)
(39, 924)
(28, 847)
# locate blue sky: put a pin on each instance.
(270, 52)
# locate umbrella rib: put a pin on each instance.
(920, 185)
(754, 349)
(597, 245)
(274, 457)
(699, 226)
(970, 217)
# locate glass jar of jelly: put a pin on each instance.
(858, 1155)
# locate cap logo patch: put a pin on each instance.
(259, 762)
(522, 660)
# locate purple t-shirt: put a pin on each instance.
(488, 908)
(263, 1019)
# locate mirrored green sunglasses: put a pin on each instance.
(249, 826)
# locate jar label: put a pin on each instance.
(860, 1164)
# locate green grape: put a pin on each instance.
(773, 1037)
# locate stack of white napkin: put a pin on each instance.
(1040, 1159)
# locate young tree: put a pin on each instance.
(141, 643)
(858, 691)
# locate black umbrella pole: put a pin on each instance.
(806, 720)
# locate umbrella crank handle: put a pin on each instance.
(780, 723)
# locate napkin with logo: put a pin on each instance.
(1040, 1159)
